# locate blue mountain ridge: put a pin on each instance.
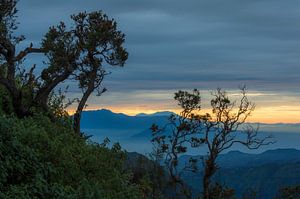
(106, 119)
(134, 134)
(265, 172)
(234, 159)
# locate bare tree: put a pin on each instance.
(217, 131)
(226, 127)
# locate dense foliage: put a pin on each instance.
(40, 158)
(77, 52)
(40, 155)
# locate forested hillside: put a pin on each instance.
(40, 158)
(45, 152)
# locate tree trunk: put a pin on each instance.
(18, 106)
(42, 96)
(76, 122)
(209, 171)
(10, 83)
(206, 183)
(81, 105)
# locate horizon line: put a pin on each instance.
(71, 112)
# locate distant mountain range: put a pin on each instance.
(162, 113)
(265, 172)
(105, 119)
(133, 132)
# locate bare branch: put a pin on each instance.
(27, 51)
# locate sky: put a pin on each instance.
(181, 45)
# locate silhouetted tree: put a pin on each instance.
(76, 53)
(100, 41)
(226, 127)
(181, 130)
(217, 131)
(9, 58)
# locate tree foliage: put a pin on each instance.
(79, 53)
(40, 156)
(42, 159)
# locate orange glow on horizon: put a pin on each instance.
(280, 114)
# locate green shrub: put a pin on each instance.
(40, 158)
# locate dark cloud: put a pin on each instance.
(185, 44)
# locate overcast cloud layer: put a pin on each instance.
(175, 44)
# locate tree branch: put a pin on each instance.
(27, 51)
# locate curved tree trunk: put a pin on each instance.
(81, 105)
(43, 93)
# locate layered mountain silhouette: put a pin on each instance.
(134, 134)
(264, 172)
(106, 119)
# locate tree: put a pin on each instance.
(217, 131)
(9, 58)
(226, 126)
(100, 41)
(181, 130)
(77, 53)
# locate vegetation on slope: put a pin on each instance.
(41, 158)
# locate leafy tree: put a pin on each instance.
(40, 156)
(100, 41)
(76, 53)
(217, 131)
(182, 129)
